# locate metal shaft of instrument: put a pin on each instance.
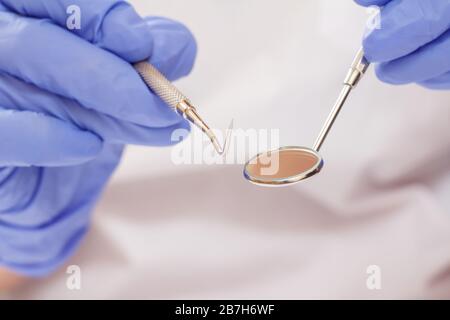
(332, 117)
(357, 70)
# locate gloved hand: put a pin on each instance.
(413, 43)
(69, 100)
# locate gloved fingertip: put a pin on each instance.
(86, 148)
(67, 146)
(439, 83)
(385, 74)
(125, 33)
(378, 47)
(367, 3)
(434, 86)
(174, 47)
(362, 2)
(40, 140)
(372, 47)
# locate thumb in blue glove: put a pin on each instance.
(412, 44)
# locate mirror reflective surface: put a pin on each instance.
(283, 166)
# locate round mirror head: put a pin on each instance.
(283, 166)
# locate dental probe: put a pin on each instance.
(162, 87)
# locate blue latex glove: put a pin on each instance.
(413, 44)
(68, 102)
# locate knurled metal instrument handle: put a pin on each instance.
(159, 84)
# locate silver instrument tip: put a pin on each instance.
(221, 150)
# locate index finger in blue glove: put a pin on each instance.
(19, 95)
(405, 27)
(54, 59)
(110, 24)
(32, 139)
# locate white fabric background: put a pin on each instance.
(383, 197)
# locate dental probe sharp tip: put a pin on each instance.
(226, 144)
(221, 150)
(191, 114)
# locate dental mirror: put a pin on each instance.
(289, 165)
(283, 166)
